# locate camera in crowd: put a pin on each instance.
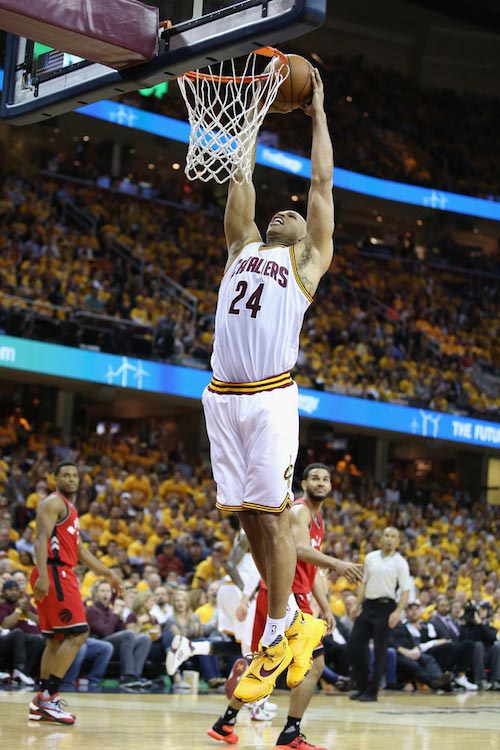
(470, 610)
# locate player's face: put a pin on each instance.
(286, 227)
(68, 480)
(318, 484)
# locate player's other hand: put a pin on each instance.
(352, 571)
(115, 582)
(318, 98)
(41, 588)
(241, 612)
(330, 620)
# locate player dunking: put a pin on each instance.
(58, 549)
(251, 404)
(308, 531)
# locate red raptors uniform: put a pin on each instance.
(302, 582)
(62, 612)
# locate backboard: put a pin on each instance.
(41, 82)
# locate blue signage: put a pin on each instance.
(177, 130)
(143, 375)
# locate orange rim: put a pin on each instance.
(194, 75)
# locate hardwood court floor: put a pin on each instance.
(179, 722)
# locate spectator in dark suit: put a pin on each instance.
(412, 661)
(443, 628)
(476, 627)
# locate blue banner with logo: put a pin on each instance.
(143, 375)
(177, 130)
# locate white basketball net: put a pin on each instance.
(225, 111)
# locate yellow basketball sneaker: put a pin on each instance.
(303, 637)
(260, 678)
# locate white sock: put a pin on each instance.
(273, 630)
(201, 648)
(291, 611)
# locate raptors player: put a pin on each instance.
(58, 549)
(251, 404)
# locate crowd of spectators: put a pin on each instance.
(149, 513)
(387, 326)
(386, 125)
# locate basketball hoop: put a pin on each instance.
(226, 109)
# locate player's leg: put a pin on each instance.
(270, 436)
(73, 672)
(273, 549)
(272, 534)
(63, 622)
(223, 729)
(57, 657)
(300, 697)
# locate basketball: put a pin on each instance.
(296, 91)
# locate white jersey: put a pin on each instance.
(260, 310)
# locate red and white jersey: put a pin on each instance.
(305, 573)
(63, 544)
(260, 311)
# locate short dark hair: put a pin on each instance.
(311, 467)
(62, 464)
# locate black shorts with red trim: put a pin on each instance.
(62, 612)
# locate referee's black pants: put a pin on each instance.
(372, 622)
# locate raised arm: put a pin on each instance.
(239, 217)
(318, 251)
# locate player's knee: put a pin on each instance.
(274, 525)
(78, 639)
(318, 665)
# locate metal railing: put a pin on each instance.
(27, 318)
(167, 284)
(85, 221)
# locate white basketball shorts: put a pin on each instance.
(254, 441)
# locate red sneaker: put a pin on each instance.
(239, 667)
(50, 710)
(299, 743)
(226, 735)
